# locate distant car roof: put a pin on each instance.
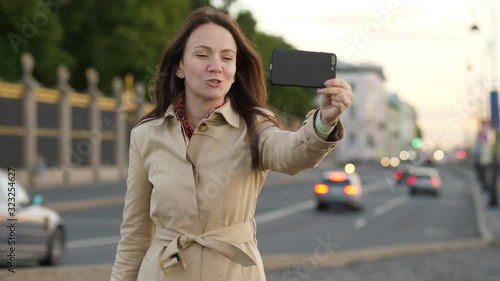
(425, 171)
(348, 176)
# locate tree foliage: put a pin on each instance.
(31, 26)
(116, 38)
(121, 37)
(291, 101)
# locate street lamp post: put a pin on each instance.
(494, 93)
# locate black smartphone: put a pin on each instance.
(301, 68)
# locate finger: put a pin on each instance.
(336, 82)
(335, 91)
(340, 99)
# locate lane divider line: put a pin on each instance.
(93, 242)
(284, 212)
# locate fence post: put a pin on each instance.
(30, 144)
(139, 100)
(95, 122)
(65, 121)
(121, 127)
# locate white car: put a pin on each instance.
(424, 180)
(339, 189)
(28, 231)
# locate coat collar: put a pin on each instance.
(227, 111)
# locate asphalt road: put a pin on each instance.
(287, 222)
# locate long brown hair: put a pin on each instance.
(248, 93)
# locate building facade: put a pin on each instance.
(402, 124)
(377, 124)
(365, 121)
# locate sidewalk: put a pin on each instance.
(462, 265)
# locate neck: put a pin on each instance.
(192, 118)
(197, 111)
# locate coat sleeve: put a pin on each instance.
(137, 227)
(291, 152)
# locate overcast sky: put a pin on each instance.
(424, 47)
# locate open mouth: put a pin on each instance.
(214, 82)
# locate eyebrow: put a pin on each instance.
(208, 48)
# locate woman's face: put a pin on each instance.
(208, 64)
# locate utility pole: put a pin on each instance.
(493, 202)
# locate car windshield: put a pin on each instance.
(22, 197)
(339, 184)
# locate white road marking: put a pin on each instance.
(377, 185)
(391, 204)
(454, 202)
(380, 210)
(93, 242)
(93, 222)
(284, 212)
(360, 223)
(436, 231)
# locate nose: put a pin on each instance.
(214, 66)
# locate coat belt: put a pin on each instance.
(221, 240)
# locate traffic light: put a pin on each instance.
(416, 143)
(461, 154)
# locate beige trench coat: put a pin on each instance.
(189, 206)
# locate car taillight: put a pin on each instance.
(398, 175)
(435, 182)
(411, 180)
(351, 190)
(321, 189)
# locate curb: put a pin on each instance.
(482, 226)
(343, 258)
(63, 273)
(306, 262)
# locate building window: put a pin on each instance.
(352, 108)
(352, 112)
(353, 86)
(370, 142)
(352, 141)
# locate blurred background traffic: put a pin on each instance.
(75, 78)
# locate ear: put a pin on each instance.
(180, 72)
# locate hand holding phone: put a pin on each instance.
(335, 98)
(301, 68)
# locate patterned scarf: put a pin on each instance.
(180, 111)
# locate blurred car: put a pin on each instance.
(339, 189)
(39, 233)
(402, 172)
(424, 180)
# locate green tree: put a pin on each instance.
(199, 3)
(293, 102)
(118, 38)
(31, 26)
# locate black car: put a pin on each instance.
(339, 189)
(29, 232)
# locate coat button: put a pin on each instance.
(203, 127)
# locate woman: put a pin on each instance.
(200, 158)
